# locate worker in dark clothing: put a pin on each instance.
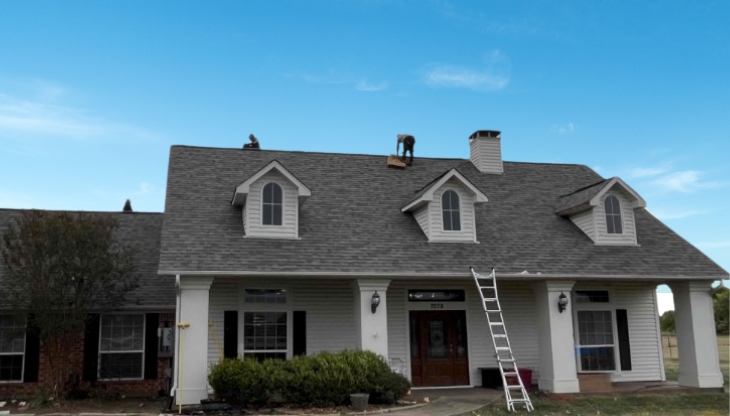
(254, 143)
(408, 143)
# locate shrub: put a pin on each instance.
(325, 379)
(241, 381)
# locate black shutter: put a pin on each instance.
(624, 346)
(150, 346)
(32, 353)
(91, 347)
(230, 334)
(300, 333)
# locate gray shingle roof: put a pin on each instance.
(579, 199)
(352, 223)
(141, 232)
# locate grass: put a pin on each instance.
(707, 404)
(671, 362)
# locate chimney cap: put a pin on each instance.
(486, 133)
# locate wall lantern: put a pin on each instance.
(375, 301)
(562, 302)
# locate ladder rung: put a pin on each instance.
(500, 335)
(490, 299)
(506, 360)
(520, 400)
(493, 310)
(486, 287)
(496, 323)
(503, 348)
(516, 386)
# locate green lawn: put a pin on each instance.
(671, 362)
(627, 405)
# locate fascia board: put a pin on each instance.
(638, 200)
(243, 189)
(428, 195)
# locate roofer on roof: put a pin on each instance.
(408, 143)
(254, 143)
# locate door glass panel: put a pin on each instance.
(414, 336)
(437, 347)
(460, 336)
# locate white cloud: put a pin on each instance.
(569, 128)
(642, 172)
(493, 77)
(713, 244)
(678, 214)
(365, 86)
(685, 181)
(144, 188)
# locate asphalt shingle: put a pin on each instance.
(353, 223)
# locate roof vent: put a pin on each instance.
(485, 151)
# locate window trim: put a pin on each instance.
(247, 306)
(451, 211)
(595, 307)
(100, 352)
(25, 341)
(615, 217)
(272, 204)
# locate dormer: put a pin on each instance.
(604, 211)
(445, 208)
(271, 199)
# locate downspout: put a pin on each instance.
(178, 315)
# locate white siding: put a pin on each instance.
(224, 296)
(486, 154)
(252, 217)
(644, 338)
(328, 303)
(421, 215)
(627, 217)
(518, 302)
(466, 203)
(330, 313)
(585, 221)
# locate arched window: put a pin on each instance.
(451, 211)
(613, 215)
(271, 204)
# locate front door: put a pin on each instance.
(439, 355)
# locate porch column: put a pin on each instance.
(373, 333)
(191, 359)
(558, 372)
(694, 319)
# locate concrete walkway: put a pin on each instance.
(450, 402)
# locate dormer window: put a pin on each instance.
(451, 211)
(271, 204)
(613, 215)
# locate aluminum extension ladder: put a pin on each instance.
(514, 390)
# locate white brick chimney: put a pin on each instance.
(485, 151)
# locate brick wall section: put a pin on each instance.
(129, 388)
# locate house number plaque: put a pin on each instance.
(437, 306)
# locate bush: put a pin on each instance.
(325, 379)
(666, 321)
(241, 382)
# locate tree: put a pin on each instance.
(721, 303)
(58, 267)
(667, 322)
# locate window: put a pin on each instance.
(271, 205)
(265, 335)
(12, 348)
(121, 347)
(613, 215)
(451, 211)
(595, 341)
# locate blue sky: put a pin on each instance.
(93, 94)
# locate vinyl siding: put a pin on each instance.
(328, 303)
(486, 154)
(252, 217)
(627, 217)
(644, 338)
(517, 302)
(584, 221)
(421, 216)
(466, 203)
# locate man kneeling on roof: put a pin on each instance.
(254, 143)
(408, 143)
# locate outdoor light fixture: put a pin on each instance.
(375, 301)
(562, 302)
